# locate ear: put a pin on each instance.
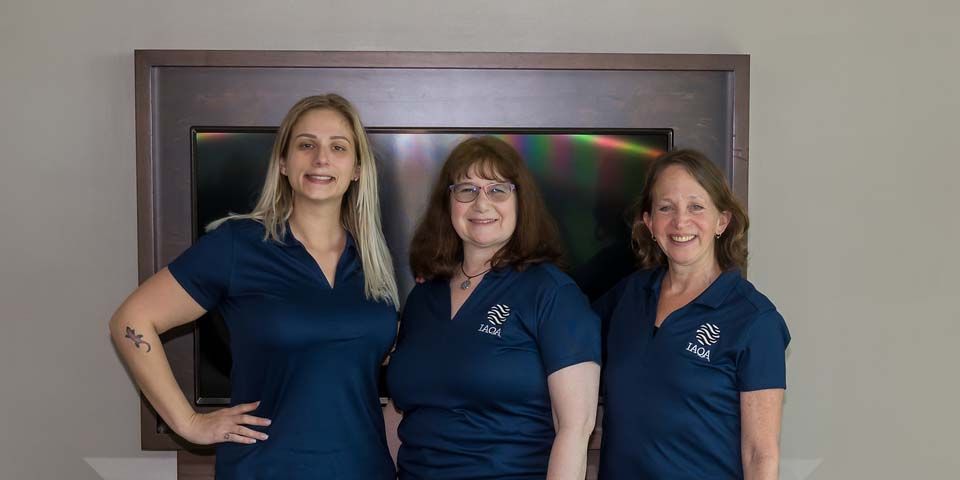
(648, 222)
(724, 221)
(283, 166)
(356, 173)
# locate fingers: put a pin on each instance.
(241, 410)
(241, 434)
(232, 421)
(237, 438)
(251, 420)
(245, 407)
(250, 433)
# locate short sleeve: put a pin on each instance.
(568, 331)
(605, 305)
(204, 270)
(762, 363)
(410, 312)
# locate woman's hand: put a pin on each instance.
(225, 425)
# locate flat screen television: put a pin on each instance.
(588, 178)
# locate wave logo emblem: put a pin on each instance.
(498, 314)
(708, 334)
(496, 317)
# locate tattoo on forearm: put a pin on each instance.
(137, 339)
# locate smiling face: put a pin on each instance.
(483, 225)
(684, 220)
(321, 159)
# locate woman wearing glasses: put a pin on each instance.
(496, 369)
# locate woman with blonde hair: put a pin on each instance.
(306, 287)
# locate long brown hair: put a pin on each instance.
(731, 248)
(436, 250)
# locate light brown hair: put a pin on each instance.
(731, 248)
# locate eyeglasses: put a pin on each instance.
(468, 192)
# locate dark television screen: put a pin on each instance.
(588, 178)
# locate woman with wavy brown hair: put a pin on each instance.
(496, 368)
(694, 369)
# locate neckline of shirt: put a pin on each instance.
(712, 297)
(290, 240)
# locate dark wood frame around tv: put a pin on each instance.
(704, 99)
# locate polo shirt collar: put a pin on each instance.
(717, 292)
(712, 297)
(499, 272)
(288, 240)
(655, 280)
(350, 243)
(493, 273)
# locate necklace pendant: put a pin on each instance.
(465, 284)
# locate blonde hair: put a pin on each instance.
(359, 211)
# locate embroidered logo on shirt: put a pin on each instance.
(498, 314)
(707, 335)
(496, 317)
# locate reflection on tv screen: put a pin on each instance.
(589, 180)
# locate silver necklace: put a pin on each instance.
(466, 283)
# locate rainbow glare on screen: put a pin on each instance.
(579, 173)
(583, 159)
(209, 136)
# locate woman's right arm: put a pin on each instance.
(157, 306)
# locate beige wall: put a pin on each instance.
(853, 150)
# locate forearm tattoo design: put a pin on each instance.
(137, 339)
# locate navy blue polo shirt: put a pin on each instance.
(473, 389)
(308, 352)
(672, 397)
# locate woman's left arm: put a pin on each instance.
(573, 394)
(760, 413)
